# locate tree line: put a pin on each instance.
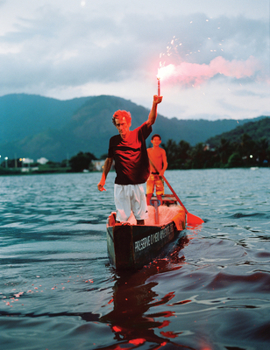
(78, 163)
(226, 154)
(182, 155)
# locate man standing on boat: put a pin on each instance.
(158, 165)
(128, 150)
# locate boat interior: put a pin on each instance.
(159, 214)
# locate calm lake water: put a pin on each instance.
(58, 291)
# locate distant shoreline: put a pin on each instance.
(19, 173)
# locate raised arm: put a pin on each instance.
(106, 169)
(153, 113)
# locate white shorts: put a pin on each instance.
(130, 198)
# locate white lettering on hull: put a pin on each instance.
(152, 239)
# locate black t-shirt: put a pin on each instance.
(130, 156)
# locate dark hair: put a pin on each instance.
(121, 114)
(155, 135)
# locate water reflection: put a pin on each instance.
(133, 318)
(212, 294)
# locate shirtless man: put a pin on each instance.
(158, 158)
(129, 152)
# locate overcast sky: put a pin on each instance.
(216, 53)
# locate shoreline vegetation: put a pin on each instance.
(227, 154)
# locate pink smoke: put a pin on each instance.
(195, 74)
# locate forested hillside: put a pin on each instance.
(256, 130)
(35, 126)
(23, 115)
(245, 146)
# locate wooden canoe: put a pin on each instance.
(132, 246)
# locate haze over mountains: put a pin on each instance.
(34, 126)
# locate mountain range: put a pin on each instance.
(35, 126)
(257, 130)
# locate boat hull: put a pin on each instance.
(134, 246)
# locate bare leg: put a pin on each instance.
(148, 198)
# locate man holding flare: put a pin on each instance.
(128, 150)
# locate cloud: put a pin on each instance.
(249, 93)
(231, 106)
(67, 48)
(112, 47)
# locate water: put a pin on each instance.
(58, 291)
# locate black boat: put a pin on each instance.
(131, 246)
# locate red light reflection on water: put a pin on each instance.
(116, 329)
(169, 334)
(138, 341)
(168, 313)
(135, 302)
(196, 227)
(164, 324)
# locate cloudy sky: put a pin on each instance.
(213, 54)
